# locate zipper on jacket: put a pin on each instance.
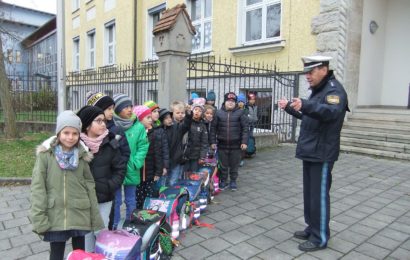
(65, 206)
(227, 129)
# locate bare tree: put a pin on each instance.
(10, 126)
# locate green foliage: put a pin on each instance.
(17, 157)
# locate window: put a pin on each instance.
(76, 54)
(201, 16)
(75, 5)
(109, 53)
(262, 20)
(10, 55)
(18, 56)
(91, 49)
(154, 14)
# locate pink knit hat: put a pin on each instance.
(141, 111)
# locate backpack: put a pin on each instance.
(251, 149)
(183, 209)
(79, 254)
(118, 244)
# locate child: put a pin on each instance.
(137, 141)
(107, 166)
(175, 133)
(230, 131)
(197, 147)
(241, 105)
(252, 112)
(156, 123)
(153, 164)
(107, 104)
(210, 98)
(209, 112)
(63, 200)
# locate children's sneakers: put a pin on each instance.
(233, 186)
(222, 185)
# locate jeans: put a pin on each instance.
(130, 203)
(175, 174)
(229, 163)
(105, 209)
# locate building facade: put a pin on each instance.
(16, 24)
(103, 33)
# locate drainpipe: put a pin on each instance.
(135, 51)
(408, 101)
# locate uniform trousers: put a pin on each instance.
(317, 180)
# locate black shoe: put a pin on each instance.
(301, 235)
(309, 246)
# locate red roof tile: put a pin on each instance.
(169, 18)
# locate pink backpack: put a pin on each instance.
(118, 245)
(82, 255)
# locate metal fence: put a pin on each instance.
(34, 97)
(222, 76)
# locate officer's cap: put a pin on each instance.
(310, 62)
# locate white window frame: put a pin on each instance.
(242, 21)
(76, 54)
(91, 50)
(107, 27)
(75, 5)
(201, 22)
(150, 54)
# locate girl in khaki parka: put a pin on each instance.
(63, 199)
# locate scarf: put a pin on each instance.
(93, 143)
(123, 124)
(66, 160)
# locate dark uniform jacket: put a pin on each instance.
(229, 129)
(322, 118)
(197, 146)
(108, 169)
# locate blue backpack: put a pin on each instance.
(251, 149)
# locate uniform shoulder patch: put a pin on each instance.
(333, 99)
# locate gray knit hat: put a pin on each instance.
(68, 118)
(121, 101)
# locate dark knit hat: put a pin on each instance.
(122, 101)
(67, 118)
(163, 112)
(230, 96)
(99, 99)
(211, 96)
(87, 114)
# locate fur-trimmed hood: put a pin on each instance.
(48, 144)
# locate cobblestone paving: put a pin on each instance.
(370, 213)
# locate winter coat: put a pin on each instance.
(175, 134)
(154, 163)
(322, 118)
(229, 128)
(108, 169)
(197, 146)
(63, 199)
(138, 143)
(208, 126)
(124, 147)
(252, 113)
(164, 145)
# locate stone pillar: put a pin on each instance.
(173, 44)
(338, 30)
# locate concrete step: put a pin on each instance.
(377, 119)
(374, 144)
(386, 137)
(375, 152)
(379, 128)
(383, 111)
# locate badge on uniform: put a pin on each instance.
(332, 99)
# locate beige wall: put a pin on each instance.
(295, 30)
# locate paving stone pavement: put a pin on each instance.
(370, 213)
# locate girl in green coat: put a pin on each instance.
(63, 199)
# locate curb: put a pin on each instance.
(14, 181)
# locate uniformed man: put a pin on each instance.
(322, 116)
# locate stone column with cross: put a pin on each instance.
(173, 44)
